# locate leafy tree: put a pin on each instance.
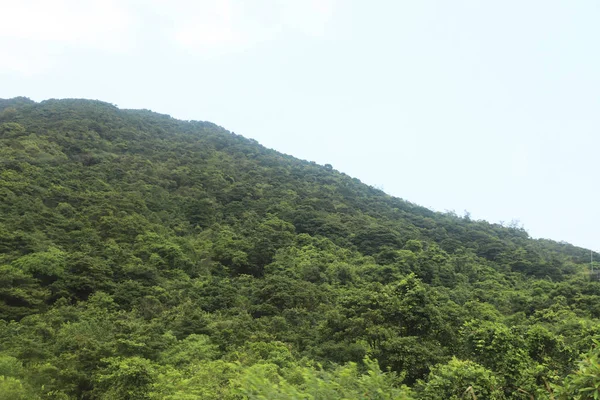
(126, 378)
(584, 383)
(459, 379)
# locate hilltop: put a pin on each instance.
(146, 257)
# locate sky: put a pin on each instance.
(486, 107)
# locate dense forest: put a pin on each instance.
(143, 257)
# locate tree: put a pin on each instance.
(125, 378)
(459, 379)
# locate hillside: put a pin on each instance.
(143, 257)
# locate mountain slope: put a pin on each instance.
(139, 251)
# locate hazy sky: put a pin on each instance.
(487, 106)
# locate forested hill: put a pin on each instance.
(143, 257)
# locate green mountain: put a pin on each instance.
(143, 257)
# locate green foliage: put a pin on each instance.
(145, 257)
(584, 383)
(47, 266)
(211, 380)
(262, 382)
(125, 378)
(19, 294)
(192, 349)
(460, 380)
(13, 389)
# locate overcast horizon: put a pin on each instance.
(490, 108)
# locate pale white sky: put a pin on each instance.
(487, 106)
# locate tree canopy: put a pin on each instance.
(143, 257)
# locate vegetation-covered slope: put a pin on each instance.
(142, 257)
